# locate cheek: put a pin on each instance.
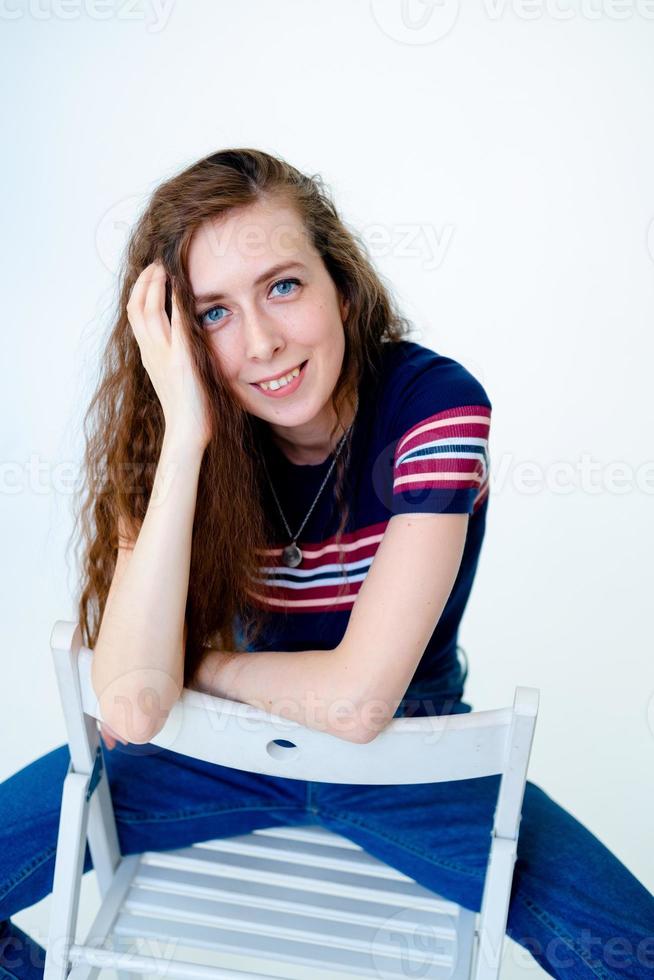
(336, 340)
(226, 357)
(319, 328)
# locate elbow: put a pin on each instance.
(356, 736)
(360, 735)
(363, 724)
(134, 729)
(131, 718)
(366, 734)
(136, 711)
(375, 715)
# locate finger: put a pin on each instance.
(177, 333)
(175, 317)
(155, 288)
(136, 300)
(154, 309)
(118, 738)
(145, 309)
(108, 740)
(112, 734)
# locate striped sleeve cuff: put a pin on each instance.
(441, 464)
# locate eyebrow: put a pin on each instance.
(212, 296)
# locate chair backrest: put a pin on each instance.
(409, 750)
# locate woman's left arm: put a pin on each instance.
(310, 687)
(353, 691)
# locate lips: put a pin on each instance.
(286, 390)
(282, 374)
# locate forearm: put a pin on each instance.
(311, 687)
(138, 657)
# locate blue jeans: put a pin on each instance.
(577, 910)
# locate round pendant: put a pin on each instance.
(291, 555)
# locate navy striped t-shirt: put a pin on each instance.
(419, 444)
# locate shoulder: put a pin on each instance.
(436, 417)
(416, 374)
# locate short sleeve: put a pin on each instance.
(441, 458)
(441, 464)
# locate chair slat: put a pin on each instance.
(315, 833)
(84, 956)
(263, 895)
(435, 962)
(278, 922)
(304, 852)
(333, 880)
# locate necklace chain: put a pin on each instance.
(292, 555)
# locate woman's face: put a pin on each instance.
(268, 304)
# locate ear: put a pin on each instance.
(345, 307)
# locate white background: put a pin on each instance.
(498, 161)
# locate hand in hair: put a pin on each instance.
(167, 358)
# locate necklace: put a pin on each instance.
(292, 555)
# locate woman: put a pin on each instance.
(263, 431)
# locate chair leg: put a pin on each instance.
(102, 925)
(102, 835)
(495, 908)
(69, 863)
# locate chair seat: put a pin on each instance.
(296, 895)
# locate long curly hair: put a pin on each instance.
(124, 423)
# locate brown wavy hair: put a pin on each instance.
(124, 423)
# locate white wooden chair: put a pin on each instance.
(299, 897)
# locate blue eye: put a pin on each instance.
(213, 309)
(282, 281)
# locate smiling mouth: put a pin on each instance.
(275, 381)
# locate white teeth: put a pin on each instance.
(280, 382)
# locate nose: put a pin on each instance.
(262, 336)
